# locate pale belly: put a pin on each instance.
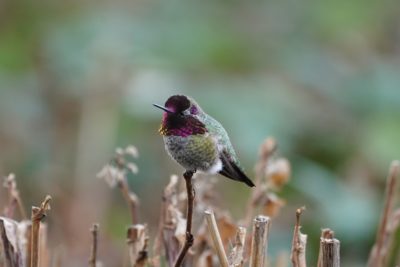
(195, 152)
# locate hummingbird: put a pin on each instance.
(197, 141)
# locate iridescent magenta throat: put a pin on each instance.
(184, 128)
(183, 132)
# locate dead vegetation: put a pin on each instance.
(181, 240)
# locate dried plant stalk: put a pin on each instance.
(329, 250)
(378, 253)
(259, 241)
(38, 213)
(115, 173)
(93, 251)
(392, 245)
(267, 148)
(44, 255)
(236, 255)
(130, 198)
(137, 242)
(189, 218)
(298, 253)
(216, 237)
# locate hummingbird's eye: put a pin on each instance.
(184, 113)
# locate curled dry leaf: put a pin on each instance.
(129, 150)
(111, 175)
(9, 181)
(278, 173)
(14, 198)
(132, 167)
(132, 151)
(179, 223)
(14, 242)
(272, 205)
(119, 151)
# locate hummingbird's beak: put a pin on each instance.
(163, 108)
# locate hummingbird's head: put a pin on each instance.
(180, 117)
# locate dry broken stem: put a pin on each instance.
(298, 253)
(93, 252)
(216, 237)
(38, 213)
(259, 242)
(329, 250)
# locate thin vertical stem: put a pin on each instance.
(376, 257)
(189, 218)
(38, 213)
(93, 252)
(298, 253)
(216, 237)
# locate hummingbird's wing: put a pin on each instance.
(233, 171)
(230, 162)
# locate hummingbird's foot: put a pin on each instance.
(189, 174)
(189, 239)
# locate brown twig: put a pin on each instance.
(38, 213)
(298, 253)
(259, 242)
(216, 237)
(190, 201)
(377, 255)
(130, 198)
(329, 250)
(93, 252)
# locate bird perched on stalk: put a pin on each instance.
(197, 141)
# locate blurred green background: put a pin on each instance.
(78, 78)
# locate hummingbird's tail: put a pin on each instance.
(231, 170)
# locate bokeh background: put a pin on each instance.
(78, 78)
